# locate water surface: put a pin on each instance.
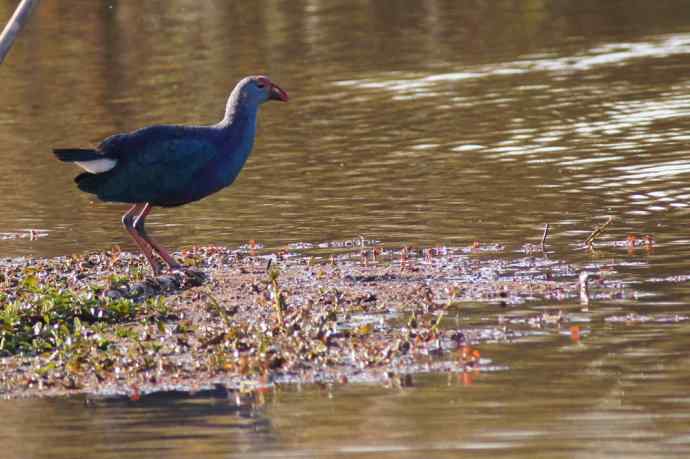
(437, 122)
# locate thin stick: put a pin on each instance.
(597, 232)
(15, 24)
(543, 238)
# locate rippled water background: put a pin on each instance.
(436, 122)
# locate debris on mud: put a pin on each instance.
(98, 324)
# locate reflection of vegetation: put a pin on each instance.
(125, 55)
(79, 74)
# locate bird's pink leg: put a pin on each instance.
(139, 227)
(129, 220)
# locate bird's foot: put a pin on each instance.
(177, 267)
(194, 276)
(156, 268)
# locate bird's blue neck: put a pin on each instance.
(237, 131)
(238, 126)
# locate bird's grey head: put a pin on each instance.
(255, 90)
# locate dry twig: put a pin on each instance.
(543, 238)
(597, 232)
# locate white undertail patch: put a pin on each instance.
(97, 166)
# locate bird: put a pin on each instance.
(172, 165)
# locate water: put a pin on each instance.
(438, 122)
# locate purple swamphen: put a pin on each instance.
(168, 165)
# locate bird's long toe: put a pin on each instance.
(156, 268)
(193, 276)
(177, 267)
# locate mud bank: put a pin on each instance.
(237, 319)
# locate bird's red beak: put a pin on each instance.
(277, 93)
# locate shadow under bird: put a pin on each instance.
(171, 165)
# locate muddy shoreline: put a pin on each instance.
(97, 323)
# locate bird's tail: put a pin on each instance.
(91, 183)
(91, 161)
(72, 155)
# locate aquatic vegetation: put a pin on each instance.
(93, 323)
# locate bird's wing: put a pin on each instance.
(115, 145)
(157, 168)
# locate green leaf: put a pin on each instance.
(30, 282)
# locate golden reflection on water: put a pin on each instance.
(434, 122)
(437, 142)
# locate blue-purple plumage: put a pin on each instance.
(161, 165)
(170, 165)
